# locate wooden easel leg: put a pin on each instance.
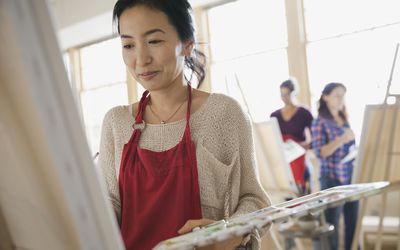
(354, 245)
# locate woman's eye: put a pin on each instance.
(128, 46)
(155, 41)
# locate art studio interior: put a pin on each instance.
(199, 124)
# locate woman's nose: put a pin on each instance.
(143, 56)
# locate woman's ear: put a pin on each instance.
(188, 47)
(293, 94)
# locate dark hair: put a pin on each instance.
(323, 109)
(288, 84)
(178, 13)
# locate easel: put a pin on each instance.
(377, 158)
(283, 183)
(274, 172)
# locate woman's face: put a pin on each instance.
(151, 48)
(335, 99)
(286, 95)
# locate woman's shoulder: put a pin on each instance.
(276, 113)
(224, 101)
(319, 120)
(117, 113)
(220, 111)
(305, 111)
(224, 105)
(325, 122)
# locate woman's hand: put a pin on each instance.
(190, 224)
(332, 146)
(348, 135)
(228, 244)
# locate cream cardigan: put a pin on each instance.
(221, 131)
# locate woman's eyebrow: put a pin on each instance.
(149, 32)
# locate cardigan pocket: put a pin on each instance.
(214, 178)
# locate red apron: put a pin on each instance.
(159, 190)
(298, 165)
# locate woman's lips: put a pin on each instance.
(148, 75)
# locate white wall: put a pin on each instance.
(71, 12)
(80, 22)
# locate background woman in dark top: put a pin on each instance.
(294, 123)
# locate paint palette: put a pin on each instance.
(245, 224)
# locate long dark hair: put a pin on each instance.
(323, 109)
(178, 13)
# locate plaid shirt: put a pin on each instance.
(323, 131)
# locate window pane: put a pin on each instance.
(334, 17)
(246, 27)
(361, 61)
(139, 90)
(102, 64)
(259, 77)
(248, 39)
(95, 104)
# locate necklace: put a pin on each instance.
(172, 115)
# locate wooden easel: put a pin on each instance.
(379, 154)
(274, 172)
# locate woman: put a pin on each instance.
(295, 124)
(180, 158)
(332, 140)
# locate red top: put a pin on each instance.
(159, 190)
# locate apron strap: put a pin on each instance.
(142, 104)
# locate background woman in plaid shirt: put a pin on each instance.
(332, 140)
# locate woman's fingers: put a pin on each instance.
(228, 244)
(190, 224)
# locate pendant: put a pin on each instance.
(162, 122)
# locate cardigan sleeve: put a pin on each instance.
(107, 163)
(252, 196)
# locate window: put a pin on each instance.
(248, 41)
(352, 42)
(103, 85)
(331, 18)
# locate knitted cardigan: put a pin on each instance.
(228, 177)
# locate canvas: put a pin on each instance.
(272, 161)
(50, 194)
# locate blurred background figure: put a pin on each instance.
(332, 140)
(295, 124)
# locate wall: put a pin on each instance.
(71, 12)
(81, 22)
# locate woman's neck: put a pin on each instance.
(334, 112)
(337, 117)
(165, 99)
(290, 106)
